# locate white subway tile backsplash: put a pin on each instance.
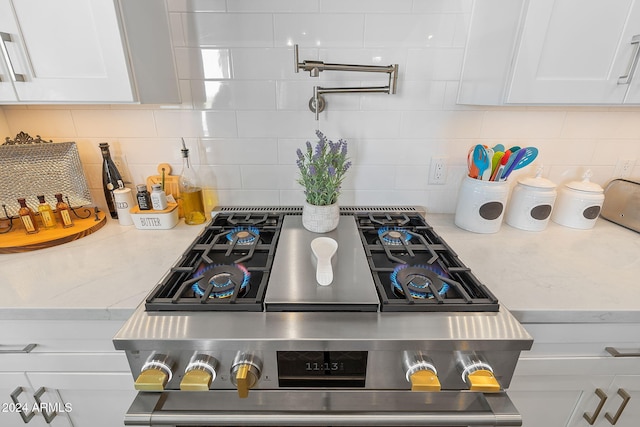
(258, 151)
(47, 123)
(228, 29)
(614, 124)
(273, 124)
(370, 6)
(434, 64)
(197, 5)
(244, 109)
(203, 63)
(233, 95)
(414, 30)
(319, 30)
(196, 123)
(269, 64)
(114, 123)
(522, 124)
(273, 6)
(441, 124)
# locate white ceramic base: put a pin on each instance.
(320, 219)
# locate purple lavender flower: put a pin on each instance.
(299, 153)
(346, 167)
(312, 170)
(332, 171)
(344, 148)
(308, 147)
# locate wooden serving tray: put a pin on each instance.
(18, 241)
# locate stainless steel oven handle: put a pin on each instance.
(180, 418)
(148, 409)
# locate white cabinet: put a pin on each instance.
(618, 404)
(73, 373)
(568, 373)
(552, 52)
(79, 51)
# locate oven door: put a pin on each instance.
(322, 408)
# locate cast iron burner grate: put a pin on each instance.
(226, 268)
(415, 270)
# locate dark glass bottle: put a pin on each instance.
(143, 197)
(111, 179)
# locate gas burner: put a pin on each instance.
(394, 235)
(223, 278)
(418, 279)
(243, 235)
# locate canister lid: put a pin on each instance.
(585, 184)
(537, 181)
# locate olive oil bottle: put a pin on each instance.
(190, 192)
(28, 218)
(46, 214)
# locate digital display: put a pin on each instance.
(322, 368)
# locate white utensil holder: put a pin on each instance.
(481, 205)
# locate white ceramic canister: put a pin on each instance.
(579, 204)
(531, 203)
(481, 205)
(124, 202)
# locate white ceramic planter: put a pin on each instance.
(320, 219)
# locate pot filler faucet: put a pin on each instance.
(317, 103)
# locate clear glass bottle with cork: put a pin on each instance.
(46, 214)
(190, 191)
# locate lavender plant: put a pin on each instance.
(322, 170)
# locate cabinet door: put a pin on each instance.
(630, 414)
(628, 417)
(16, 383)
(98, 399)
(68, 51)
(574, 51)
(6, 23)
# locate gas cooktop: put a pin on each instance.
(259, 260)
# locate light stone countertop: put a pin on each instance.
(104, 275)
(557, 275)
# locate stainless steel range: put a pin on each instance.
(239, 332)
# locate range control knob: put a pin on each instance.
(245, 372)
(155, 373)
(477, 373)
(199, 373)
(420, 371)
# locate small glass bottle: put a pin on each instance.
(28, 217)
(143, 198)
(111, 179)
(46, 214)
(64, 214)
(158, 198)
(190, 192)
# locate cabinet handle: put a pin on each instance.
(625, 79)
(48, 417)
(14, 397)
(615, 353)
(625, 399)
(26, 349)
(6, 37)
(592, 418)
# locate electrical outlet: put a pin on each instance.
(438, 170)
(624, 167)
